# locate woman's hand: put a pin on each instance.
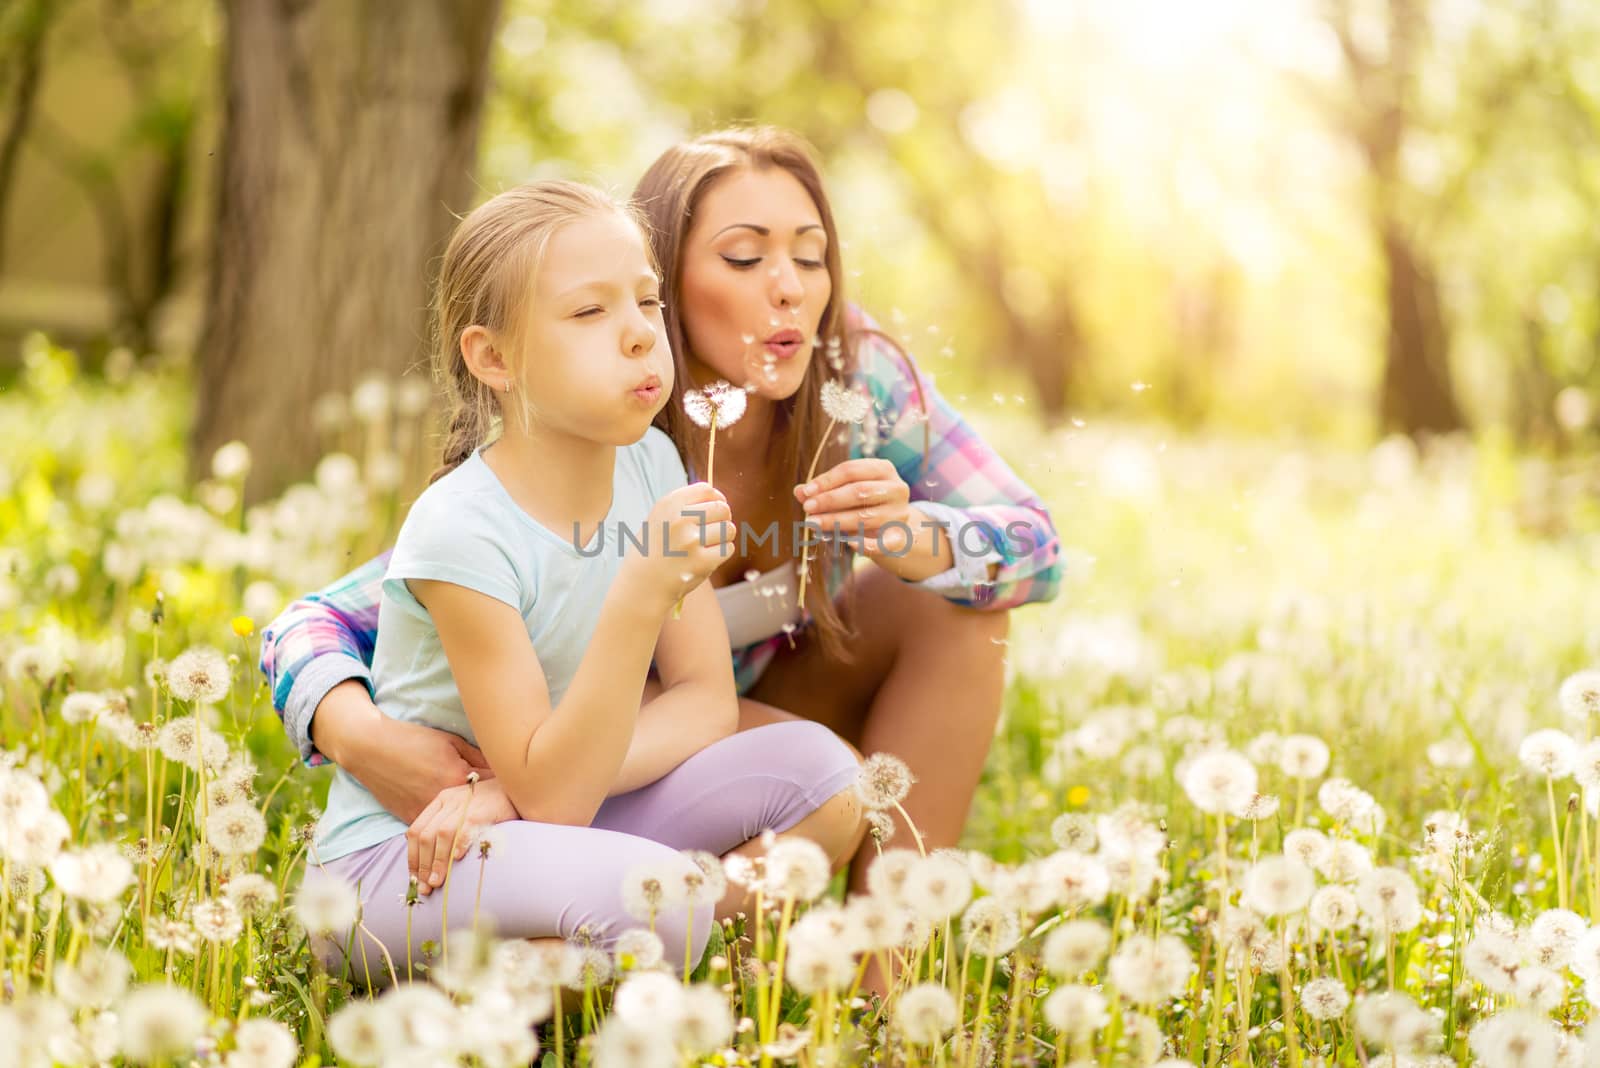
(405, 765)
(863, 497)
(450, 819)
(867, 500)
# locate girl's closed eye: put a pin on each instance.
(741, 264)
(589, 312)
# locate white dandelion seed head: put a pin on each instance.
(236, 830)
(359, 1033)
(1579, 697)
(1219, 781)
(990, 928)
(98, 977)
(887, 874)
(1277, 885)
(97, 874)
(828, 923)
(1075, 947)
(1515, 1038)
(649, 887)
(700, 885)
(1492, 958)
(1076, 1011)
(881, 924)
(1264, 748)
(637, 949)
(797, 868)
(843, 404)
(1552, 936)
(1586, 766)
(1307, 846)
(622, 1044)
(720, 402)
(1324, 999)
(262, 1043)
(1388, 897)
(650, 999)
(199, 675)
(1073, 830)
(34, 663)
(1149, 970)
(1333, 908)
(938, 887)
(327, 904)
(1077, 880)
(34, 839)
(880, 825)
(1126, 830)
(1348, 803)
(813, 966)
(1303, 756)
(423, 1018)
(1445, 835)
(1549, 752)
(925, 1013)
(1585, 960)
(1346, 861)
(230, 461)
(160, 1022)
(253, 894)
(83, 706)
(705, 1021)
(1259, 808)
(884, 781)
(1393, 1022)
(216, 920)
(1539, 988)
(168, 933)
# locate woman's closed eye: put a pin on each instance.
(745, 264)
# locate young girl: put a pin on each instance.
(511, 618)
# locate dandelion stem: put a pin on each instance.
(1561, 850)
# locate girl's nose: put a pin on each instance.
(787, 290)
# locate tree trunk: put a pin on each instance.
(351, 128)
(1418, 391)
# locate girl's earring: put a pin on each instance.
(508, 385)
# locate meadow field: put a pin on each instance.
(1298, 769)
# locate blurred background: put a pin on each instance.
(1320, 220)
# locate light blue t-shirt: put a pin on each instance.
(466, 529)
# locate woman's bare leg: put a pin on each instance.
(925, 684)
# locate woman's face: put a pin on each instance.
(754, 282)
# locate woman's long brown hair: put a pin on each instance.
(668, 195)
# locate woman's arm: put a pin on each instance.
(698, 704)
(318, 642)
(317, 658)
(1003, 543)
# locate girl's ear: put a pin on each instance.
(483, 359)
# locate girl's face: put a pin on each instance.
(597, 363)
(754, 282)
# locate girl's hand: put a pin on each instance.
(430, 836)
(863, 497)
(699, 531)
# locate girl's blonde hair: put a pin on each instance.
(485, 280)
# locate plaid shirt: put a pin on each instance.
(989, 514)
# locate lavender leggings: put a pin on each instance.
(544, 880)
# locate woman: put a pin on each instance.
(905, 656)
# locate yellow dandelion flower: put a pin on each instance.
(244, 626)
(1078, 796)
